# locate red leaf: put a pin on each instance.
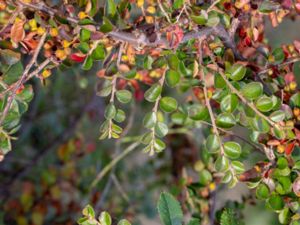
(289, 148)
(77, 57)
(175, 35)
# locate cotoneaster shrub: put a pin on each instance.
(204, 63)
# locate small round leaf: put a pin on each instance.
(168, 104)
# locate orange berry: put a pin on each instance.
(151, 9)
(60, 54)
(41, 30)
(47, 46)
(280, 149)
(293, 86)
(82, 15)
(2, 5)
(46, 73)
(140, 3)
(296, 111)
(54, 32)
(66, 43)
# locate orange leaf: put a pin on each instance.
(17, 32)
(289, 148)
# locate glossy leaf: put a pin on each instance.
(153, 93)
(168, 104)
(170, 212)
(252, 90)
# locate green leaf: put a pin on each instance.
(276, 202)
(278, 55)
(124, 96)
(98, 53)
(150, 120)
(252, 90)
(153, 92)
(178, 4)
(198, 112)
(105, 218)
(148, 60)
(284, 216)
(200, 19)
(232, 149)
(120, 116)
(84, 47)
(107, 26)
(159, 145)
(264, 104)
(173, 61)
(88, 211)
(212, 143)
(131, 74)
(222, 164)
(219, 81)
(169, 210)
(259, 124)
(88, 63)
(172, 78)
(161, 129)
(178, 118)
(85, 35)
(106, 90)
(110, 111)
(213, 19)
(9, 57)
(228, 217)
(111, 8)
(95, 7)
(159, 62)
(262, 191)
(123, 222)
(225, 120)
(237, 72)
(238, 167)
(13, 73)
(282, 163)
(168, 104)
(205, 177)
(295, 100)
(229, 103)
(194, 221)
(277, 116)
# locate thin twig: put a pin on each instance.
(235, 135)
(120, 188)
(290, 61)
(142, 40)
(115, 161)
(235, 91)
(30, 75)
(12, 18)
(23, 77)
(212, 5)
(163, 11)
(250, 104)
(207, 102)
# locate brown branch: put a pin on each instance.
(23, 77)
(12, 18)
(142, 40)
(31, 75)
(290, 61)
(207, 101)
